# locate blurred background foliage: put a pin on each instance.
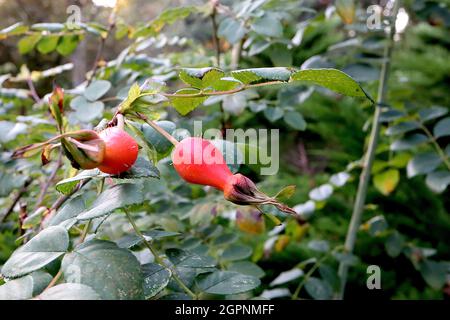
(406, 220)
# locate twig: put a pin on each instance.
(219, 93)
(33, 91)
(54, 280)
(358, 207)
(61, 200)
(101, 45)
(439, 150)
(158, 259)
(216, 39)
(49, 182)
(163, 132)
(16, 200)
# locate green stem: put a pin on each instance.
(439, 150)
(358, 207)
(158, 259)
(160, 130)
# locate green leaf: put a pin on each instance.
(13, 30)
(66, 186)
(227, 282)
(47, 44)
(67, 216)
(158, 141)
(423, 163)
(169, 16)
(394, 244)
(97, 89)
(182, 258)
(116, 197)
(114, 273)
(46, 246)
(156, 278)
(53, 27)
(25, 287)
(260, 75)
(332, 79)
(286, 193)
(318, 289)
(225, 239)
(67, 45)
(236, 252)
(438, 181)
(434, 273)
(387, 181)
(432, 113)
(295, 120)
(26, 44)
(201, 78)
(69, 291)
(408, 142)
(133, 95)
(273, 114)
(85, 110)
(142, 168)
(329, 275)
(442, 128)
(287, 276)
(319, 245)
(184, 105)
(402, 127)
(133, 240)
(269, 25)
(232, 30)
(247, 268)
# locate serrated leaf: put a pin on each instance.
(66, 186)
(114, 273)
(232, 30)
(67, 45)
(158, 141)
(182, 258)
(268, 25)
(26, 44)
(408, 142)
(434, 273)
(97, 89)
(432, 113)
(66, 216)
(25, 287)
(156, 278)
(201, 78)
(387, 181)
(184, 105)
(133, 240)
(46, 246)
(438, 181)
(318, 289)
(423, 163)
(69, 291)
(116, 197)
(259, 75)
(295, 120)
(442, 128)
(133, 94)
(332, 79)
(285, 193)
(236, 252)
(47, 44)
(287, 276)
(273, 114)
(402, 127)
(394, 244)
(227, 282)
(247, 268)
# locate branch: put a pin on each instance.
(16, 199)
(49, 182)
(216, 39)
(364, 179)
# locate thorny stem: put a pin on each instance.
(158, 259)
(219, 93)
(163, 132)
(216, 40)
(101, 46)
(49, 181)
(358, 207)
